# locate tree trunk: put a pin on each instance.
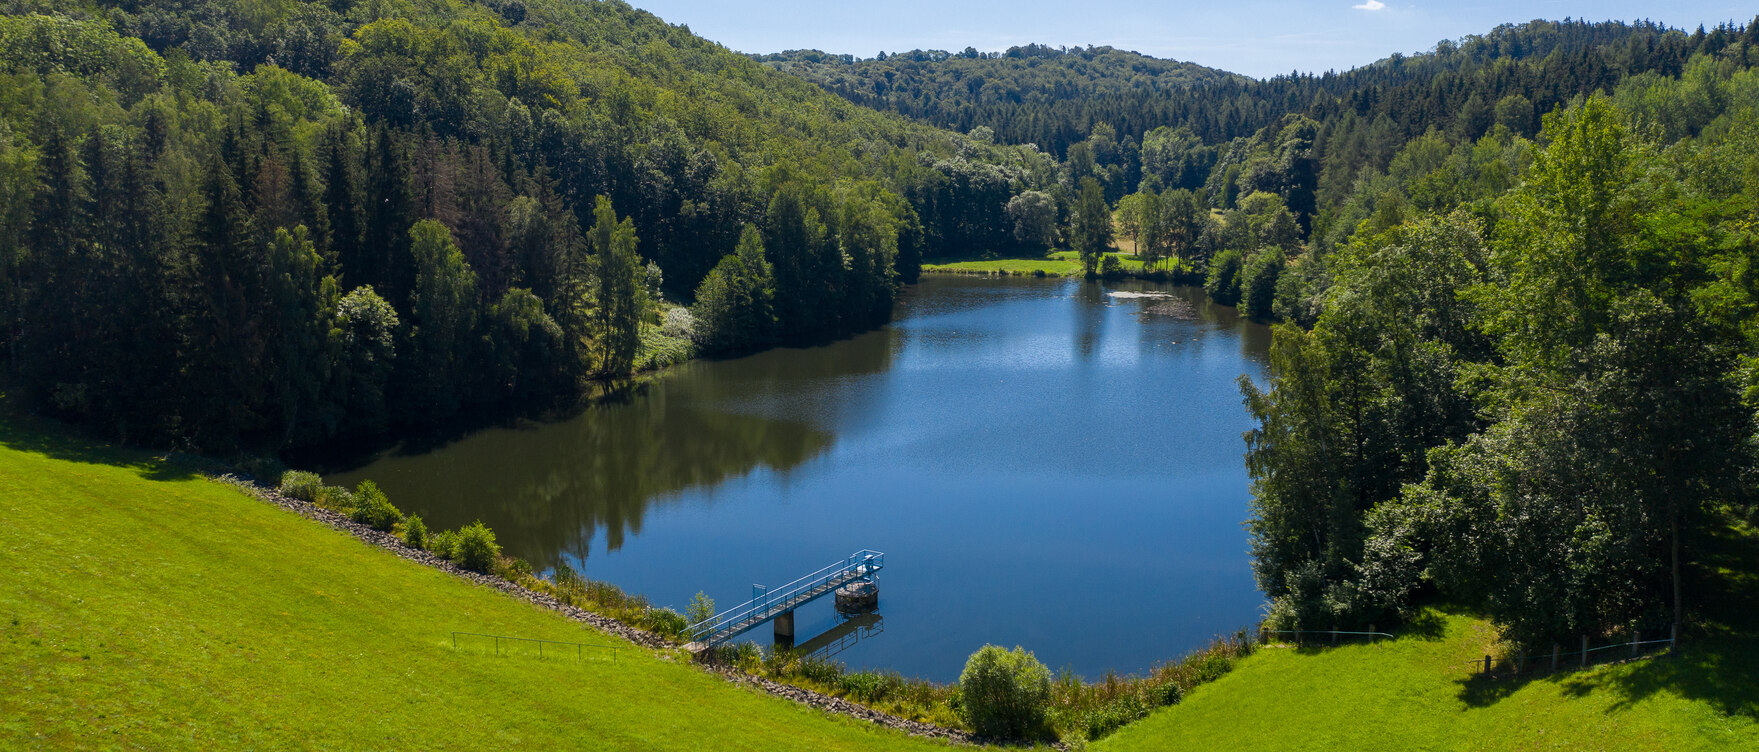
(1673, 515)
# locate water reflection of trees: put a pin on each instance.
(549, 490)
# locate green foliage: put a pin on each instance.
(1035, 219)
(735, 304)
(701, 608)
(621, 296)
(1258, 285)
(298, 484)
(220, 174)
(476, 549)
(1091, 230)
(1504, 420)
(444, 544)
(1004, 693)
(415, 532)
(373, 508)
(664, 622)
(1110, 267)
(1406, 694)
(442, 322)
(1225, 272)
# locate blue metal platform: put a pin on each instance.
(773, 602)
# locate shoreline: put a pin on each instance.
(640, 638)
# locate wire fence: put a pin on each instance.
(1547, 662)
(504, 645)
(1507, 666)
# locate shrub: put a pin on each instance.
(444, 544)
(701, 608)
(1004, 693)
(373, 508)
(565, 577)
(298, 484)
(512, 570)
(1169, 693)
(664, 622)
(1111, 268)
(415, 532)
(679, 323)
(336, 499)
(476, 549)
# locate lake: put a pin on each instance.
(1052, 463)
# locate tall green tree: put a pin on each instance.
(735, 305)
(300, 306)
(442, 324)
(621, 295)
(1091, 229)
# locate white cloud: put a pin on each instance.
(1370, 5)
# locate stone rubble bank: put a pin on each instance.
(639, 637)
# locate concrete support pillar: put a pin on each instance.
(785, 629)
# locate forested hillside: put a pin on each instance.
(1049, 96)
(1519, 360)
(274, 222)
(1517, 368)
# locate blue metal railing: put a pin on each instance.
(772, 602)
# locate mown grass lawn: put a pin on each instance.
(1417, 693)
(1059, 263)
(144, 607)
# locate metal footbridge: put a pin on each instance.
(771, 603)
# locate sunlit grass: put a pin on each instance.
(1056, 264)
(144, 607)
(1417, 692)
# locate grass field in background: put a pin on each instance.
(142, 606)
(1059, 263)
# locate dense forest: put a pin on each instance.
(270, 223)
(1518, 363)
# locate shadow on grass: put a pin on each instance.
(1429, 625)
(50, 438)
(1718, 656)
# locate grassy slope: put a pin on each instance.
(141, 606)
(1416, 692)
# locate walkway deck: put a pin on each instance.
(724, 626)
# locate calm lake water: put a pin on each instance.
(1048, 463)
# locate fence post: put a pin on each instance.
(1673, 639)
(1634, 636)
(1520, 663)
(1334, 638)
(1584, 651)
(1554, 648)
(1371, 635)
(540, 650)
(1487, 665)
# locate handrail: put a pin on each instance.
(861, 565)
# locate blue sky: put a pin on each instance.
(1255, 37)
